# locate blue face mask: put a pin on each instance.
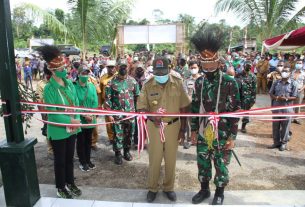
(161, 79)
(298, 66)
(274, 58)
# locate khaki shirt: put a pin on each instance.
(262, 68)
(171, 96)
(40, 87)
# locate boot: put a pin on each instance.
(127, 155)
(202, 194)
(118, 158)
(218, 197)
(243, 128)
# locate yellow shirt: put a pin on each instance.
(103, 83)
(171, 96)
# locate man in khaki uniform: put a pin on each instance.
(262, 71)
(163, 91)
(111, 72)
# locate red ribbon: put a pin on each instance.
(142, 132)
(162, 125)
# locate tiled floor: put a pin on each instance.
(58, 202)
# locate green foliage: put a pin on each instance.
(271, 17)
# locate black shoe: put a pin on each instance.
(171, 195)
(243, 130)
(283, 147)
(74, 190)
(118, 158)
(63, 193)
(274, 146)
(91, 166)
(218, 200)
(84, 167)
(200, 196)
(151, 196)
(127, 156)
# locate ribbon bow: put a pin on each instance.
(162, 125)
(213, 120)
(142, 132)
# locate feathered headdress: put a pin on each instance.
(51, 54)
(208, 40)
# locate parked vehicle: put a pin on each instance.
(69, 50)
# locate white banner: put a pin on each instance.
(150, 34)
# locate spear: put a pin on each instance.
(235, 156)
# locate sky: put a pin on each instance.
(200, 9)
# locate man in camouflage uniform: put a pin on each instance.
(121, 94)
(214, 92)
(247, 89)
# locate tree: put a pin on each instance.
(270, 17)
(99, 19)
(189, 22)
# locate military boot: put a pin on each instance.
(218, 197)
(127, 155)
(118, 158)
(243, 128)
(202, 194)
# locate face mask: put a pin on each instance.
(161, 79)
(232, 76)
(123, 71)
(285, 74)
(210, 74)
(139, 73)
(84, 78)
(194, 71)
(274, 58)
(298, 66)
(61, 74)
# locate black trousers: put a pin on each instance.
(83, 146)
(63, 161)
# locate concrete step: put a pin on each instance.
(114, 197)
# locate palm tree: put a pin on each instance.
(99, 18)
(271, 17)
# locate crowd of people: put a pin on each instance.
(202, 82)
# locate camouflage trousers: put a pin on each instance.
(220, 157)
(123, 134)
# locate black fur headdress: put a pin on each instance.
(208, 38)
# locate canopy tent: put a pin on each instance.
(289, 41)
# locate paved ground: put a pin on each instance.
(110, 197)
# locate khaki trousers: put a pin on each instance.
(261, 85)
(94, 137)
(109, 128)
(157, 151)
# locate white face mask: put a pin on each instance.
(285, 74)
(194, 71)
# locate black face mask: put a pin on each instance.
(123, 71)
(139, 73)
(247, 68)
(211, 75)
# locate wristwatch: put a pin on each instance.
(286, 99)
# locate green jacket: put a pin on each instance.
(87, 97)
(56, 94)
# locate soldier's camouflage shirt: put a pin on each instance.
(247, 89)
(229, 101)
(121, 94)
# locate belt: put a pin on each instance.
(168, 123)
